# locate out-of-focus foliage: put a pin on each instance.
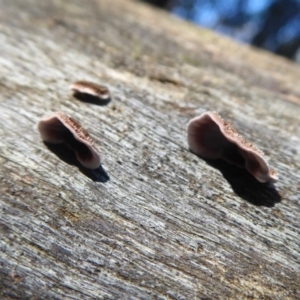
(270, 24)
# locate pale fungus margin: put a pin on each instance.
(210, 137)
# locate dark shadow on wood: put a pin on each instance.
(66, 154)
(88, 98)
(245, 185)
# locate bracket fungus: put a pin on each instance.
(210, 137)
(59, 128)
(91, 92)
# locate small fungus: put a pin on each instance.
(60, 128)
(91, 92)
(210, 137)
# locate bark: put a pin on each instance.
(168, 224)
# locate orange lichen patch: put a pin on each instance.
(60, 128)
(211, 137)
(90, 92)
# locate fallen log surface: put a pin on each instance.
(168, 224)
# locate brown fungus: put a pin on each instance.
(209, 136)
(60, 128)
(91, 92)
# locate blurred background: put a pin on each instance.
(273, 25)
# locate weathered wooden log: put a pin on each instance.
(168, 224)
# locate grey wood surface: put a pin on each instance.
(168, 225)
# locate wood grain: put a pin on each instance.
(168, 225)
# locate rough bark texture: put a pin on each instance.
(168, 225)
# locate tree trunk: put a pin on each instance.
(168, 224)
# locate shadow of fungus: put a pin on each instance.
(66, 154)
(91, 99)
(245, 185)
